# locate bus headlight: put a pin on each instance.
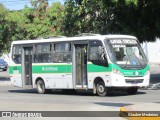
(116, 71)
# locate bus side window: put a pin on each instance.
(94, 54)
(43, 53)
(62, 52)
(16, 54)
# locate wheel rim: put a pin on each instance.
(101, 89)
(40, 87)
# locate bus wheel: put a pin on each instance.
(101, 89)
(40, 87)
(132, 90)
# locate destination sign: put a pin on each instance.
(123, 41)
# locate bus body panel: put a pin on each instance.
(50, 80)
(16, 80)
(61, 75)
(92, 76)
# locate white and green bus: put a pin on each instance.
(95, 62)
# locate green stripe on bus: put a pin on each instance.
(57, 69)
(136, 72)
(68, 69)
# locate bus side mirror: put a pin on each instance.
(102, 53)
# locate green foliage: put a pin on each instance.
(128, 2)
(55, 15)
(43, 23)
(69, 25)
(40, 7)
(19, 19)
(87, 16)
(135, 17)
(139, 18)
(30, 23)
(7, 28)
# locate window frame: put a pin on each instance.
(100, 61)
(62, 54)
(37, 54)
(20, 54)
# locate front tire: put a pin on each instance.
(41, 87)
(101, 89)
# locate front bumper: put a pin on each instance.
(136, 81)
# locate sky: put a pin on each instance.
(19, 4)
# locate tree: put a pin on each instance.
(69, 26)
(55, 15)
(135, 17)
(40, 7)
(87, 16)
(30, 23)
(6, 30)
(20, 20)
(43, 21)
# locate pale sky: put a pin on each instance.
(19, 4)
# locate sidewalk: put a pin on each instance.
(5, 83)
(144, 111)
(154, 76)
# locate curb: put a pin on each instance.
(152, 87)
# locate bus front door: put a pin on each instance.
(80, 65)
(27, 67)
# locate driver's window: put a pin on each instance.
(94, 50)
(96, 53)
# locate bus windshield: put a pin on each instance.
(126, 53)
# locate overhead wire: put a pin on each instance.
(9, 2)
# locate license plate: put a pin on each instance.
(133, 83)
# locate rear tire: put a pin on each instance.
(132, 90)
(101, 89)
(41, 87)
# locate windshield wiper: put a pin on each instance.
(127, 59)
(139, 61)
(132, 60)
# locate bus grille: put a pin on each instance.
(134, 80)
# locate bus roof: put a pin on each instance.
(100, 37)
